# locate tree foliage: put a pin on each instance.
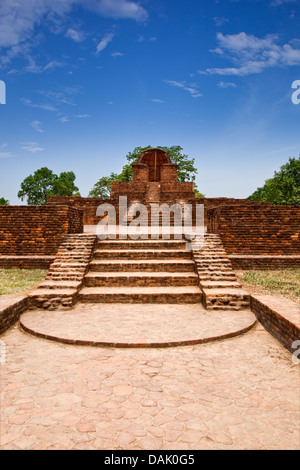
(186, 170)
(102, 187)
(3, 201)
(283, 188)
(44, 183)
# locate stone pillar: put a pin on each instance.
(140, 173)
(168, 172)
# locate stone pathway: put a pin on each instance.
(240, 393)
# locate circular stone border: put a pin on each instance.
(29, 322)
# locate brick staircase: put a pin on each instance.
(221, 290)
(66, 273)
(141, 271)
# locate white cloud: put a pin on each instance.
(36, 125)
(75, 35)
(104, 42)
(155, 100)
(34, 68)
(251, 54)
(47, 107)
(227, 85)
(117, 54)
(220, 20)
(194, 92)
(81, 116)
(31, 147)
(118, 9)
(64, 119)
(6, 155)
(18, 19)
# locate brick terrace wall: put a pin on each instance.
(256, 229)
(264, 262)
(36, 230)
(279, 316)
(87, 204)
(170, 193)
(11, 307)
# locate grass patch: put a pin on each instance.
(13, 281)
(285, 282)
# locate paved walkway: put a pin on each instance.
(138, 325)
(239, 393)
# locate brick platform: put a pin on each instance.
(120, 325)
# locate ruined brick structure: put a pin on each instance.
(239, 235)
(255, 235)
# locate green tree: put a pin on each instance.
(64, 185)
(3, 201)
(44, 183)
(102, 187)
(186, 170)
(283, 188)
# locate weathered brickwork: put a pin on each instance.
(33, 230)
(170, 192)
(217, 280)
(264, 262)
(255, 229)
(66, 273)
(88, 205)
(279, 316)
(26, 262)
(11, 307)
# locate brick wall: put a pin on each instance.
(87, 204)
(36, 230)
(257, 229)
(279, 316)
(11, 307)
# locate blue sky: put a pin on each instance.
(89, 80)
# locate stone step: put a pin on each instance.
(141, 244)
(59, 263)
(66, 269)
(225, 298)
(142, 254)
(212, 284)
(64, 277)
(212, 260)
(155, 265)
(109, 279)
(217, 277)
(51, 299)
(189, 294)
(59, 284)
